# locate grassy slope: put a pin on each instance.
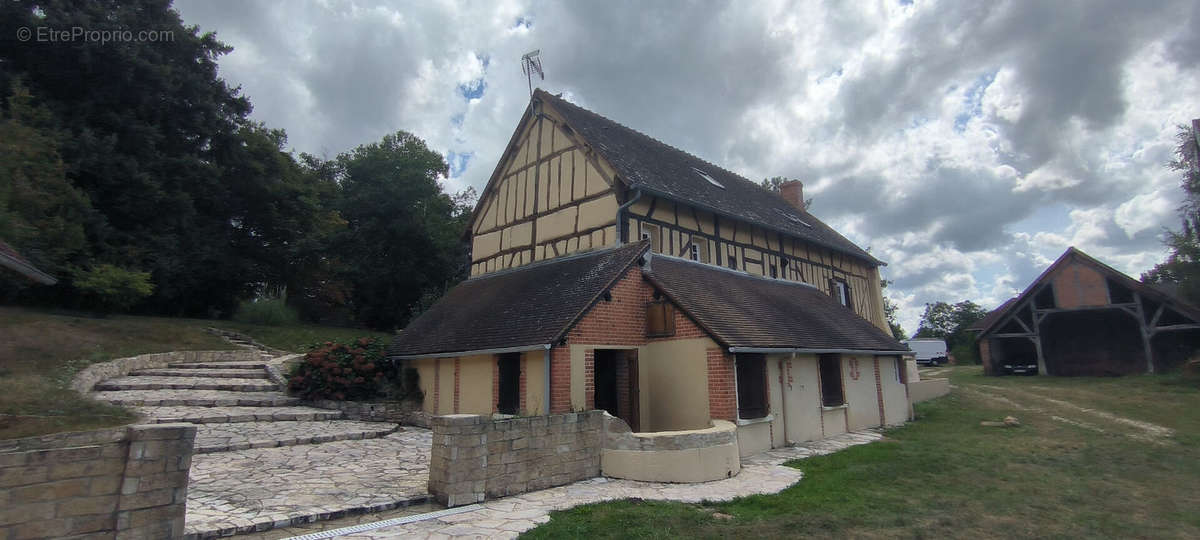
(296, 337)
(40, 352)
(944, 475)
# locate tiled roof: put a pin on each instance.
(740, 310)
(660, 169)
(992, 316)
(528, 306)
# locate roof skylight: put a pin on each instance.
(710, 179)
(792, 218)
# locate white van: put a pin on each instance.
(929, 351)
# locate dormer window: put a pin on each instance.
(792, 218)
(710, 179)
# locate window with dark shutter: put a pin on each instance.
(660, 319)
(840, 291)
(509, 365)
(751, 386)
(831, 380)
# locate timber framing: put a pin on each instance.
(1022, 318)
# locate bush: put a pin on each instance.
(267, 312)
(111, 288)
(354, 371)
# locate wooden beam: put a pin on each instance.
(1172, 327)
(1145, 332)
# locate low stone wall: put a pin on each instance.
(698, 455)
(95, 373)
(476, 457)
(128, 482)
(396, 412)
(927, 389)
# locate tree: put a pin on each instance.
(889, 311)
(1182, 267)
(403, 237)
(949, 322)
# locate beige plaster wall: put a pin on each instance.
(775, 401)
(534, 367)
(802, 404)
(754, 438)
(445, 386)
(862, 398)
(699, 455)
(895, 396)
(833, 421)
(425, 374)
(475, 384)
(928, 389)
(673, 377)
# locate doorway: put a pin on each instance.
(615, 375)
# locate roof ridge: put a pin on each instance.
(655, 139)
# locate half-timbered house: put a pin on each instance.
(610, 270)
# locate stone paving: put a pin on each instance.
(224, 415)
(221, 373)
(242, 491)
(262, 461)
(196, 398)
(246, 435)
(151, 382)
(508, 517)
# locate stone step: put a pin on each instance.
(228, 415)
(244, 436)
(196, 398)
(186, 383)
(241, 364)
(210, 373)
(259, 489)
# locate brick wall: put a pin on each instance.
(475, 457)
(128, 482)
(722, 387)
(621, 322)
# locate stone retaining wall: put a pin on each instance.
(128, 482)
(89, 376)
(396, 412)
(698, 455)
(476, 457)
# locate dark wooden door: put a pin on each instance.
(635, 416)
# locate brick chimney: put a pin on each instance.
(793, 193)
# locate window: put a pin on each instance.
(732, 260)
(509, 367)
(660, 319)
(694, 252)
(751, 386)
(831, 380)
(840, 291)
(649, 231)
(899, 369)
(698, 250)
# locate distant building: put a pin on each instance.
(1082, 317)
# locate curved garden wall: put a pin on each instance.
(697, 455)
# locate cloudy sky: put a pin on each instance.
(966, 144)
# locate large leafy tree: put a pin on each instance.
(403, 236)
(890, 310)
(950, 323)
(1182, 267)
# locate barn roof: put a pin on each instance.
(645, 163)
(991, 322)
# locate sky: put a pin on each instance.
(967, 144)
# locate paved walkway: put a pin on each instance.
(262, 461)
(506, 518)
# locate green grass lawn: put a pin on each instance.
(945, 475)
(40, 352)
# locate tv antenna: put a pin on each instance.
(530, 64)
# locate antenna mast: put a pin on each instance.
(530, 64)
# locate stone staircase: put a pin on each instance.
(261, 474)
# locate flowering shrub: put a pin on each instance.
(353, 371)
